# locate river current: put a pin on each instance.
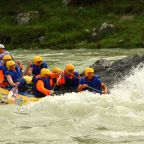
(79, 118)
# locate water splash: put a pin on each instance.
(82, 117)
(132, 87)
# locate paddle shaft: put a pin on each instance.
(57, 81)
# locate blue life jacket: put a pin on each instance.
(18, 69)
(23, 85)
(46, 82)
(16, 75)
(72, 84)
(24, 88)
(4, 69)
(36, 69)
(95, 83)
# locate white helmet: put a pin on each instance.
(2, 46)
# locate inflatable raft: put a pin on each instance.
(19, 100)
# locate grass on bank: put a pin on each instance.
(69, 27)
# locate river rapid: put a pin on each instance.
(79, 118)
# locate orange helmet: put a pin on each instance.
(69, 67)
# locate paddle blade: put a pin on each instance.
(13, 92)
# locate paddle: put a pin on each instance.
(13, 92)
(88, 86)
(57, 80)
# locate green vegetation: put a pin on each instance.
(60, 26)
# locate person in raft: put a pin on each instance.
(13, 75)
(57, 78)
(92, 83)
(71, 78)
(3, 52)
(15, 79)
(35, 67)
(43, 84)
(3, 69)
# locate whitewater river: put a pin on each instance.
(79, 118)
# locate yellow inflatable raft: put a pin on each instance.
(20, 99)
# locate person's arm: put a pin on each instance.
(1, 76)
(29, 69)
(37, 76)
(81, 87)
(104, 88)
(51, 83)
(10, 81)
(79, 77)
(40, 87)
